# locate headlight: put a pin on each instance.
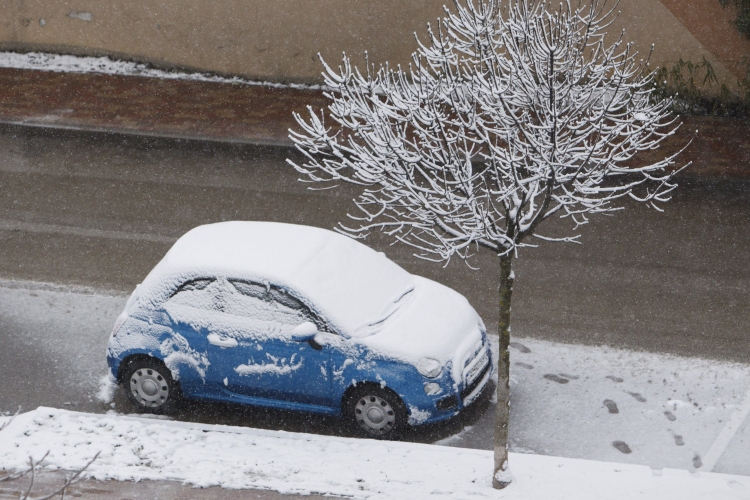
(429, 368)
(432, 389)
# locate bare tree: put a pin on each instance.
(509, 115)
(31, 471)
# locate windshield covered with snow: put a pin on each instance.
(353, 283)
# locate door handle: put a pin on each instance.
(218, 340)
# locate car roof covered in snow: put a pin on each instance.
(345, 280)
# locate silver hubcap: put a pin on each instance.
(375, 415)
(149, 387)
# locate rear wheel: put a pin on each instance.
(376, 413)
(150, 387)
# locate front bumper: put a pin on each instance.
(449, 404)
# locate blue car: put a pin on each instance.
(298, 318)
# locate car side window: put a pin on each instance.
(270, 303)
(198, 293)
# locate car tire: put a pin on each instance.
(376, 413)
(149, 385)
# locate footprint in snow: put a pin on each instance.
(670, 416)
(697, 462)
(678, 440)
(614, 379)
(622, 446)
(555, 378)
(524, 365)
(520, 347)
(637, 396)
(612, 407)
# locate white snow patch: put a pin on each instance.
(107, 388)
(277, 366)
(504, 476)
(61, 63)
(238, 457)
(178, 352)
(455, 437)
(80, 15)
(669, 408)
(417, 416)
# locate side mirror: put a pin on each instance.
(305, 332)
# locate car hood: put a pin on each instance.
(435, 322)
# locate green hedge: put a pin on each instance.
(743, 15)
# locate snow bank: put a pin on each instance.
(63, 63)
(236, 457)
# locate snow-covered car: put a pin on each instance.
(298, 318)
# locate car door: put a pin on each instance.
(259, 357)
(192, 312)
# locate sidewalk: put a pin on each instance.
(246, 112)
(295, 463)
(253, 114)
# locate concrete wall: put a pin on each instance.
(279, 39)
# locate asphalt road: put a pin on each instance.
(99, 211)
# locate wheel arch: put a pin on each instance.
(359, 385)
(125, 363)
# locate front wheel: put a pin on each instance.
(150, 387)
(376, 413)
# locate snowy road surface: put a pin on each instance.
(567, 400)
(232, 457)
(101, 210)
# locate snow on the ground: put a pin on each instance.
(617, 405)
(107, 388)
(237, 457)
(67, 329)
(104, 65)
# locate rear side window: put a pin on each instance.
(199, 294)
(193, 285)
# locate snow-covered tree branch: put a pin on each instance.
(510, 113)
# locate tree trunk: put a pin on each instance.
(501, 476)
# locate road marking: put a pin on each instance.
(727, 433)
(34, 227)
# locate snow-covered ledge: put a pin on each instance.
(236, 457)
(65, 63)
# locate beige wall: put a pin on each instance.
(270, 39)
(278, 39)
(688, 30)
(649, 21)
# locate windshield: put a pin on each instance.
(352, 283)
